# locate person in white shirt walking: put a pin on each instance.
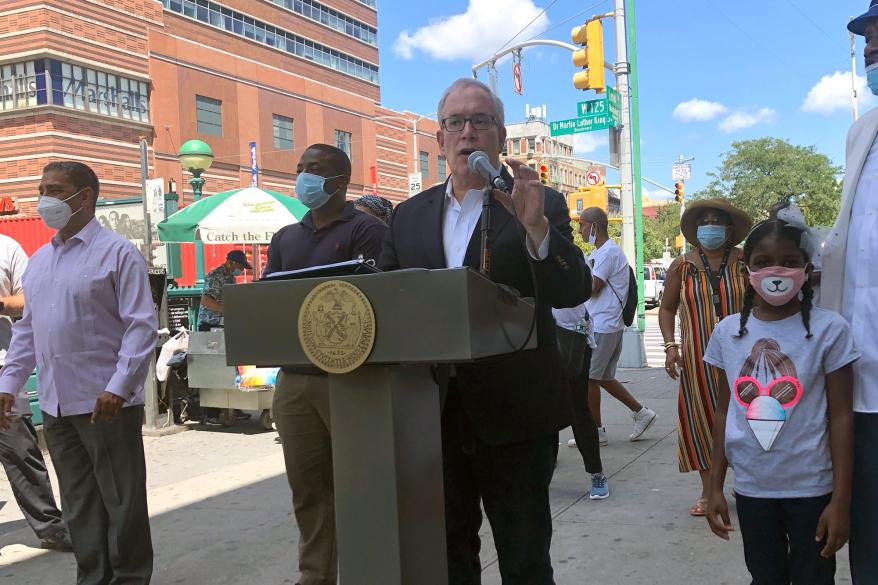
(609, 289)
(849, 285)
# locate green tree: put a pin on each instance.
(758, 173)
(656, 230)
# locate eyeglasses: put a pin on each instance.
(457, 123)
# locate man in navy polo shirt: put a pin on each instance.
(333, 231)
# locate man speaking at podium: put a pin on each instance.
(500, 419)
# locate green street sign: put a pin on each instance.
(577, 125)
(592, 108)
(614, 101)
(603, 112)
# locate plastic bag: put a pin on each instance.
(179, 342)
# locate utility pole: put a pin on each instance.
(854, 76)
(635, 160)
(626, 171)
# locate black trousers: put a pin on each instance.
(512, 483)
(584, 429)
(864, 503)
(26, 469)
(779, 545)
(102, 472)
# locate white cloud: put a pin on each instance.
(474, 35)
(833, 93)
(696, 110)
(587, 142)
(655, 194)
(740, 120)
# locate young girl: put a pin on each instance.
(783, 417)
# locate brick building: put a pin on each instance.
(86, 79)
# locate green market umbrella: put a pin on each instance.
(240, 216)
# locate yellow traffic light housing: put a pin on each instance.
(678, 192)
(544, 174)
(590, 57)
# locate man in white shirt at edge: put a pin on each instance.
(19, 451)
(849, 285)
(609, 290)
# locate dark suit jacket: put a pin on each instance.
(507, 400)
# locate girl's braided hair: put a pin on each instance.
(776, 227)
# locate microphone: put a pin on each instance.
(478, 162)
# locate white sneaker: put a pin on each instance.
(642, 421)
(602, 437)
(571, 443)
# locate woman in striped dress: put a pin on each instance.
(703, 287)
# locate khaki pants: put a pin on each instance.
(301, 412)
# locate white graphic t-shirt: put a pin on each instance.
(777, 430)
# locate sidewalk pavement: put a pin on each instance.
(221, 511)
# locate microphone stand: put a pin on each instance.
(485, 261)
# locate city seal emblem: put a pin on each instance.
(336, 327)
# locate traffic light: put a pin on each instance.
(544, 174)
(590, 57)
(678, 192)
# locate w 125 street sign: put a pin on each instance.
(593, 115)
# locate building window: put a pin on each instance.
(516, 146)
(331, 18)
(531, 145)
(237, 23)
(424, 163)
(440, 168)
(343, 141)
(209, 115)
(282, 128)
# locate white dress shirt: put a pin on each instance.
(860, 297)
(460, 221)
(89, 323)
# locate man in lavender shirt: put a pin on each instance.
(90, 327)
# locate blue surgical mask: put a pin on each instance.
(237, 272)
(872, 77)
(712, 237)
(310, 191)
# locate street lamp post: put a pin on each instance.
(196, 157)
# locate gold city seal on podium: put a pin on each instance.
(337, 327)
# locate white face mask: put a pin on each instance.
(592, 235)
(56, 213)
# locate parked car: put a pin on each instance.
(653, 284)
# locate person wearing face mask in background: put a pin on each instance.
(703, 287)
(610, 274)
(210, 313)
(90, 325)
(210, 310)
(849, 285)
(332, 231)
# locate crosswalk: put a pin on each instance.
(655, 345)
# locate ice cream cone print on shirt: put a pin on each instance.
(768, 389)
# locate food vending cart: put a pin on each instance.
(228, 387)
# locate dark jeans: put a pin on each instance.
(779, 545)
(864, 504)
(512, 482)
(584, 429)
(102, 473)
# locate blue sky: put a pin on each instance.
(775, 68)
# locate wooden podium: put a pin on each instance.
(386, 439)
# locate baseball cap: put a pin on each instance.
(239, 257)
(858, 25)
